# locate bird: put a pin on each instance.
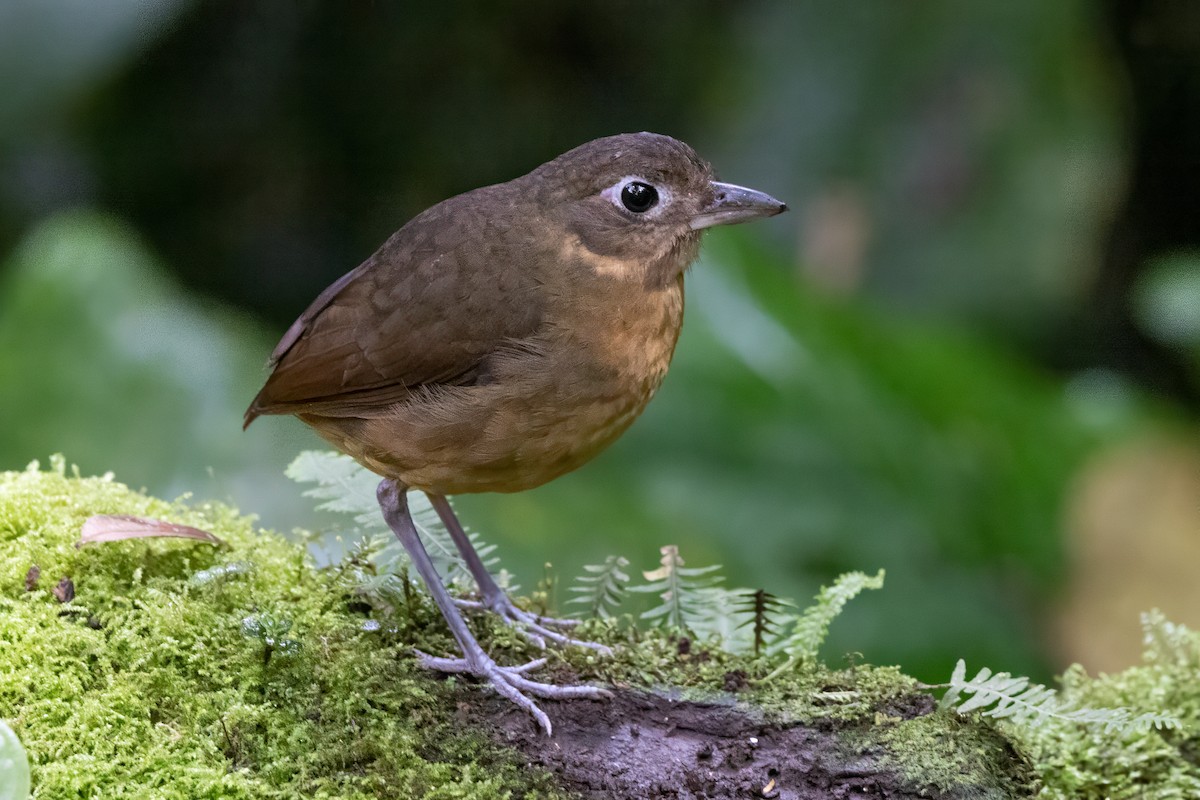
(500, 339)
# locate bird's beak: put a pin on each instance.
(732, 204)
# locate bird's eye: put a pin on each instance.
(639, 197)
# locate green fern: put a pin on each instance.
(1023, 703)
(723, 619)
(763, 609)
(686, 592)
(1169, 642)
(345, 487)
(808, 629)
(602, 589)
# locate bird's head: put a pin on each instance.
(638, 202)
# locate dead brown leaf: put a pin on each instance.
(117, 527)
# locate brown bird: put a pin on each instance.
(502, 338)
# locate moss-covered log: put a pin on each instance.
(182, 670)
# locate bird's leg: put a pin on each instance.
(508, 681)
(533, 626)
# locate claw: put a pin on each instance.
(511, 683)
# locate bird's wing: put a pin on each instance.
(442, 294)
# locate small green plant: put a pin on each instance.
(809, 628)
(1168, 642)
(763, 609)
(602, 588)
(1017, 700)
(686, 592)
(272, 632)
(221, 573)
(692, 599)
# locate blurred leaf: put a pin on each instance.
(1167, 301)
(53, 49)
(105, 359)
(956, 164)
(14, 766)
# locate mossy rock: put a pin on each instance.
(185, 670)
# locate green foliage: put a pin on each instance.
(602, 588)
(102, 352)
(14, 766)
(686, 592)
(345, 487)
(1167, 301)
(763, 609)
(272, 632)
(692, 599)
(342, 485)
(1094, 763)
(739, 621)
(1015, 699)
(809, 629)
(1167, 643)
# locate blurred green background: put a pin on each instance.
(971, 355)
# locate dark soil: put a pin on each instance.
(640, 745)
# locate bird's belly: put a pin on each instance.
(486, 439)
(516, 438)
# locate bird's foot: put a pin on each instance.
(533, 627)
(511, 681)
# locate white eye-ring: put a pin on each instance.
(637, 195)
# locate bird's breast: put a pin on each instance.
(601, 363)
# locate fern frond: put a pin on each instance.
(685, 600)
(602, 589)
(1023, 703)
(809, 628)
(1167, 642)
(342, 484)
(763, 608)
(722, 619)
(345, 487)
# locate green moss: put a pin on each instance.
(146, 682)
(1091, 763)
(935, 752)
